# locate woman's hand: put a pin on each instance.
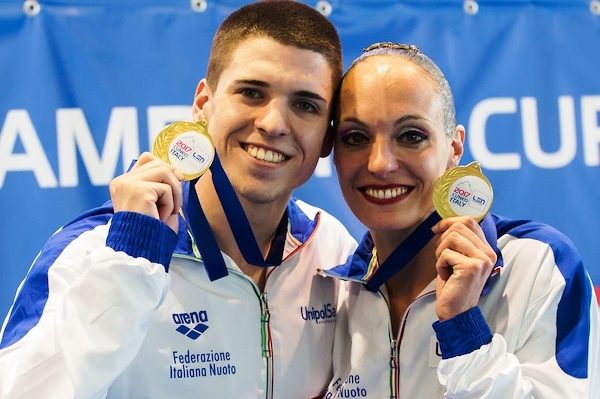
(464, 263)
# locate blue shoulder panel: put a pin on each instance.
(31, 299)
(573, 318)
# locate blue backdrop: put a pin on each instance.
(86, 85)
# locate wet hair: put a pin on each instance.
(414, 54)
(288, 22)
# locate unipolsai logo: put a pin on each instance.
(321, 315)
(192, 324)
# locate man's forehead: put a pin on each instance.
(297, 69)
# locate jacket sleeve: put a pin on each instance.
(553, 353)
(81, 314)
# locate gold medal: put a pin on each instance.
(187, 146)
(463, 191)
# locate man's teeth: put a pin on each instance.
(264, 155)
(385, 194)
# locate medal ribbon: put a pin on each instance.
(240, 226)
(404, 252)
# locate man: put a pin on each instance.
(118, 305)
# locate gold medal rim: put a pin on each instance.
(169, 132)
(442, 186)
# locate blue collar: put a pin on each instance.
(294, 220)
(356, 267)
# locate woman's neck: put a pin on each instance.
(406, 285)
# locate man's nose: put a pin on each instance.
(274, 118)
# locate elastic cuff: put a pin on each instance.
(142, 236)
(462, 334)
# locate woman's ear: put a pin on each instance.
(201, 106)
(458, 142)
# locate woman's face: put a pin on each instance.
(390, 142)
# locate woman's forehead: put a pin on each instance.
(386, 67)
(387, 76)
(387, 87)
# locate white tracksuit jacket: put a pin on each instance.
(99, 317)
(539, 305)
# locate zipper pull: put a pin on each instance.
(267, 347)
(394, 354)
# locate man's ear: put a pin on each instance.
(201, 106)
(328, 142)
(458, 144)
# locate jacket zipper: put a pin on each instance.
(265, 329)
(267, 343)
(394, 369)
(395, 344)
(394, 361)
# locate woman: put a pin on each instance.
(512, 308)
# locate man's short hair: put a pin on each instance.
(288, 22)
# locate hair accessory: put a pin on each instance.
(393, 46)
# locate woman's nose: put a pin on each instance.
(381, 159)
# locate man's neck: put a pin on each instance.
(263, 219)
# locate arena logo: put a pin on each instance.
(191, 324)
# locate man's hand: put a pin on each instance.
(152, 187)
(464, 263)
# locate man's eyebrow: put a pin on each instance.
(309, 94)
(253, 82)
(299, 93)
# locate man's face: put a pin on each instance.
(268, 117)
